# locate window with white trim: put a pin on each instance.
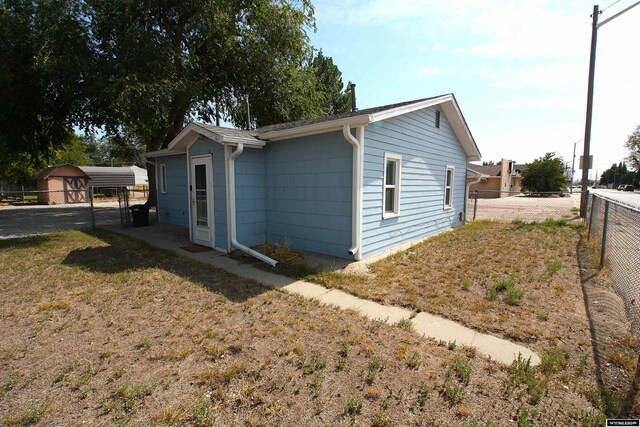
(391, 193)
(448, 187)
(163, 178)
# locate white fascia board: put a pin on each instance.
(316, 128)
(405, 109)
(190, 134)
(462, 132)
(235, 140)
(161, 153)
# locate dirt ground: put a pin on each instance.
(99, 329)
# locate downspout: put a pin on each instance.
(466, 195)
(231, 206)
(356, 193)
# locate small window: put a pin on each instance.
(391, 194)
(163, 178)
(448, 187)
(438, 119)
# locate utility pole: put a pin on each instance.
(587, 127)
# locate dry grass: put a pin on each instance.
(515, 280)
(152, 338)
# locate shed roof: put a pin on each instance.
(107, 176)
(55, 171)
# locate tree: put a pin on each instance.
(545, 174)
(164, 63)
(44, 51)
(616, 175)
(633, 145)
(138, 71)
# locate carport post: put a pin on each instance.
(604, 232)
(93, 214)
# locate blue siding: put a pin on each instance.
(250, 197)
(207, 146)
(426, 152)
(308, 193)
(173, 205)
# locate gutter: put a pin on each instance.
(357, 183)
(466, 191)
(230, 173)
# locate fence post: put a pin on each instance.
(23, 193)
(604, 232)
(475, 203)
(93, 214)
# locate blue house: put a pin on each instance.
(352, 185)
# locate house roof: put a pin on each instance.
(47, 172)
(490, 170)
(282, 131)
(301, 123)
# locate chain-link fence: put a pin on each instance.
(615, 229)
(509, 206)
(25, 213)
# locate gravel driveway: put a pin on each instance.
(20, 221)
(525, 208)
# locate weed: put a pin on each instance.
(144, 343)
(543, 315)
(514, 296)
(553, 267)
(216, 377)
(13, 381)
(62, 375)
(451, 345)
(513, 293)
(381, 420)
(353, 405)
(423, 393)
(376, 364)
(405, 324)
(554, 360)
(583, 364)
(414, 361)
(343, 356)
(523, 417)
(311, 364)
(466, 284)
(453, 394)
(590, 418)
(25, 418)
(128, 396)
(520, 372)
(462, 370)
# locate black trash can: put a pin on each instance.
(140, 215)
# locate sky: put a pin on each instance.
(518, 69)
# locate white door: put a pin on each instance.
(201, 197)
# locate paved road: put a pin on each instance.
(627, 197)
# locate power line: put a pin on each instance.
(612, 4)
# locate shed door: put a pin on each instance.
(201, 201)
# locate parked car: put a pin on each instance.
(621, 187)
(628, 188)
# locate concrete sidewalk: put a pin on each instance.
(425, 324)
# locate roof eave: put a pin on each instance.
(316, 128)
